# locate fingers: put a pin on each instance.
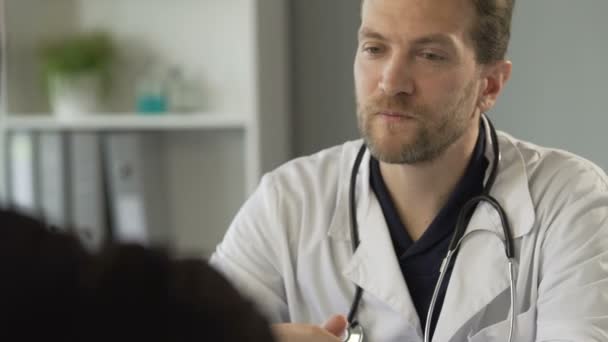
(336, 325)
(331, 331)
(290, 332)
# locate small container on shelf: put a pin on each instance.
(183, 93)
(151, 91)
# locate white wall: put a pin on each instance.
(23, 39)
(210, 40)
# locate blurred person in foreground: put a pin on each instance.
(52, 288)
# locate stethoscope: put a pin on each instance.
(355, 332)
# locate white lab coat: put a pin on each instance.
(289, 249)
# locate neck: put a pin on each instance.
(419, 191)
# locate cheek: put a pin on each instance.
(366, 79)
(443, 89)
(440, 83)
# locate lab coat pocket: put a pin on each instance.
(524, 329)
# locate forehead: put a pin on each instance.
(413, 18)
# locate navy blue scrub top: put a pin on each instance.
(420, 260)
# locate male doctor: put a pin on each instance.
(425, 72)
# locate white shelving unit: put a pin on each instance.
(128, 121)
(236, 49)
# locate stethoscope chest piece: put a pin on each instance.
(354, 333)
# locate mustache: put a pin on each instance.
(381, 103)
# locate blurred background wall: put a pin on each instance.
(323, 45)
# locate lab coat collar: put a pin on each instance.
(510, 190)
(339, 228)
(480, 271)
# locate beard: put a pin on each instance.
(434, 129)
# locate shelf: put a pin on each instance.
(126, 121)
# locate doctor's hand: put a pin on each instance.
(331, 331)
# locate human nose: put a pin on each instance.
(397, 77)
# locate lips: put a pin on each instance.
(395, 115)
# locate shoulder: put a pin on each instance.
(304, 193)
(549, 165)
(322, 172)
(559, 181)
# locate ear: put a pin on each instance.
(494, 77)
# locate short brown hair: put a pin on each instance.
(492, 29)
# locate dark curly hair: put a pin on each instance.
(51, 287)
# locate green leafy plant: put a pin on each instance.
(77, 54)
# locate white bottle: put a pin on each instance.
(183, 94)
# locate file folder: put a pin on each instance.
(87, 192)
(54, 179)
(137, 193)
(22, 179)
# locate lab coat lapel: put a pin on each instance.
(511, 188)
(480, 271)
(374, 265)
(479, 274)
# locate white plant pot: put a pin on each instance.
(75, 96)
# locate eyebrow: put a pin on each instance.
(437, 38)
(368, 33)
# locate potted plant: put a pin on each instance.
(77, 72)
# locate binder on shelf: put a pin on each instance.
(87, 196)
(22, 180)
(54, 179)
(136, 185)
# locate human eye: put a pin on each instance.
(432, 56)
(372, 49)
